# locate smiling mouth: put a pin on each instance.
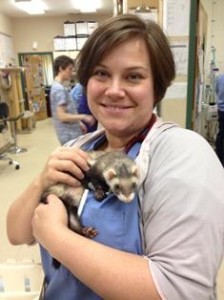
(115, 107)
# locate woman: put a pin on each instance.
(155, 247)
(66, 119)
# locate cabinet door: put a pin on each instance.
(35, 85)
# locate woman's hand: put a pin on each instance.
(48, 220)
(64, 165)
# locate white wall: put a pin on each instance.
(5, 24)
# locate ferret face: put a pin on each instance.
(123, 187)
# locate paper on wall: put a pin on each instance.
(180, 53)
(176, 17)
(178, 90)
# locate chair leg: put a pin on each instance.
(15, 149)
(11, 161)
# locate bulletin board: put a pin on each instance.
(7, 54)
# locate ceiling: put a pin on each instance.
(56, 8)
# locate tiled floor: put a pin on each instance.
(39, 144)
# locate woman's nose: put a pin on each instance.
(115, 89)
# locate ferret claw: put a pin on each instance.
(89, 232)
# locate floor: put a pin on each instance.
(39, 143)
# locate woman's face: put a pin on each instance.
(120, 90)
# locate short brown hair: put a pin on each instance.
(62, 61)
(120, 29)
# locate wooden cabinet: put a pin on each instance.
(156, 7)
(150, 3)
(35, 88)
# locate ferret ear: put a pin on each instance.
(110, 174)
(135, 171)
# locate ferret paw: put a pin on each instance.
(99, 195)
(89, 232)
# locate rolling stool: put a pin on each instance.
(4, 156)
(15, 148)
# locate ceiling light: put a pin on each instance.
(87, 5)
(32, 7)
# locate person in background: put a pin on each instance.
(167, 243)
(67, 121)
(76, 93)
(219, 144)
(79, 96)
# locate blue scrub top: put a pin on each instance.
(118, 226)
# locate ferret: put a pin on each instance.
(109, 172)
(112, 172)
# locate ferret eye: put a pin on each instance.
(116, 187)
(134, 185)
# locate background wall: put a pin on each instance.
(6, 24)
(43, 30)
(7, 52)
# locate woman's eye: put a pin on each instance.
(100, 73)
(134, 77)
